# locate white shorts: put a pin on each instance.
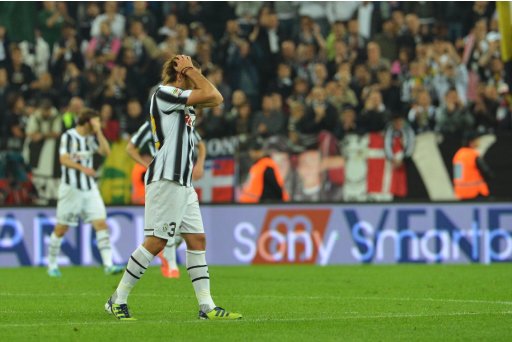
(74, 204)
(171, 209)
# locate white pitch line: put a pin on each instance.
(267, 320)
(339, 298)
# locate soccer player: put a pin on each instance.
(171, 202)
(143, 140)
(78, 194)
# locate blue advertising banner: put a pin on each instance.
(314, 234)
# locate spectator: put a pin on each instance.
(317, 12)
(243, 121)
(5, 91)
(369, 19)
(300, 90)
(17, 118)
(355, 41)
(102, 50)
(452, 116)
(109, 124)
(283, 83)
(216, 77)
(387, 40)
(21, 76)
(375, 62)
(141, 13)
(348, 123)
(338, 11)
(111, 15)
(170, 27)
(243, 71)
(320, 114)
(75, 106)
(87, 13)
(66, 50)
(422, 115)
(36, 55)
(375, 114)
(43, 129)
(389, 90)
(133, 119)
(73, 83)
(4, 47)
(214, 122)
(270, 120)
(43, 89)
(267, 37)
(145, 47)
(51, 19)
(412, 34)
(451, 76)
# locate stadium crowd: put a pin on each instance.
(289, 69)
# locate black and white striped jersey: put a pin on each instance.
(172, 125)
(81, 150)
(144, 137)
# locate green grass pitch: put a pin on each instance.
(279, 303)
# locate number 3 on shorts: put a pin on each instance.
(172, 229)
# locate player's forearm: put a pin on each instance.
(104, 147)
(202, 84)
(135, 155)
(201, 153)
(68, 162)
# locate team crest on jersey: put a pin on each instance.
(176, 91)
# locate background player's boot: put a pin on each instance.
(219, 314)
(54, 273)
(114, 269)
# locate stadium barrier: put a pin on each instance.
(320, 234)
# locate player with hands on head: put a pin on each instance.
(171, 203)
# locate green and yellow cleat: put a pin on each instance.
(120, 311)
(219, 314)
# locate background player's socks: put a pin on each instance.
(137, 265)
(103, 243)
(170, 255)
(53, 250)
(198, 271)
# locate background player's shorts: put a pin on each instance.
(74, 204)
(170, 209)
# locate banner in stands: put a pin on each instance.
(284, 234)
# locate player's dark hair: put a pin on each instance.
(86, 115)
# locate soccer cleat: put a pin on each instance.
(165, 265)
(171, 273)
(114, 269)
(174, 273)
(120, 311)
(219, 314)
(54, 273)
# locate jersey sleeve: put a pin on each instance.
(172, 98)
(141, 136)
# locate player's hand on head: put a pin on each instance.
(181, 62)
(95, 124)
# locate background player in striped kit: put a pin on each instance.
(78, 194)
(171, 201)
(141, 149)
